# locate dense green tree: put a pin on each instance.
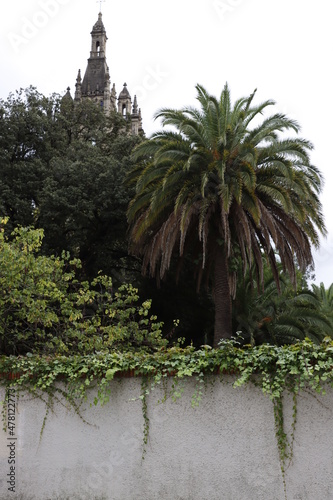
(83, 208)
(221, 187)
(24, 152)
(61, 169)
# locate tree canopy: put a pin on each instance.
(224, 189)
(62, 169)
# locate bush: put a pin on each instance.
(45, 309)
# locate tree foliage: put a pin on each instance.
(223, 189)
(45, 309)
(279, 316)
(61, 169)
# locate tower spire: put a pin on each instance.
(96, 79)
(96, 82)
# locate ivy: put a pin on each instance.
(276, 370)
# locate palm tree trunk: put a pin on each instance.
(222, 299)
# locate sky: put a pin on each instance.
(282, 48)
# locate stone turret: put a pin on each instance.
(124, 102)
(136, 119)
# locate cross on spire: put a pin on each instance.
(100, 4)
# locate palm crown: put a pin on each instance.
(217, 186)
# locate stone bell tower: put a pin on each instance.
(96, 82)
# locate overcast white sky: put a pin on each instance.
(163, 48)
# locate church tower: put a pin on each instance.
(96, 82)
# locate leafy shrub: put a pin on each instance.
(45, 309)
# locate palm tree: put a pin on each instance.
(325, 297)
(279, 318)
(218, 187)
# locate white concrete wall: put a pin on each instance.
(223, 450)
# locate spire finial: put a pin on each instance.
(100, 4)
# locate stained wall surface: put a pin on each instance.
(224, 449)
